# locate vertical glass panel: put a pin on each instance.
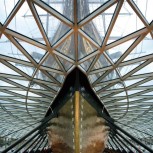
(127, 22)
(88, 6)
(67, 47)
(65, 7)
(7, 48)
(24, 23)
(6, 7)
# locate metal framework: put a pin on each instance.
(42, 41)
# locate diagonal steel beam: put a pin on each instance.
(98, 11)
(112, 23)
(38, 22)
(53, 12)
(140, 15)
(12, 15)
(25, 38)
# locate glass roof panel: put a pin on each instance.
(92, 33)
(19, 92)
(148, 83)
(5, 84)
(98, 88)
(65, 7)
(4, 94)
(67, 65)
(6, 7)
(97, 28)
(40, 75)
(7, 48)
(126, 23)
(130, 92)
(21, 82)
(51, 62)
(35, 52)
(145, 47)
(53, 27)
(146, 8)
(94, 77)
(84, 47)
(116, 52)
(146, 69)
(7, 70)
(67, 47)
(88, 6)
(24, 23)
(125, 69)
(77, 44)
(24, 68)
(130, 82)
(120, 94)
(36, 86)
(87, 63)
(110, 76)
(101, 62)
(118, 85)
(58, 77)
(149, 93)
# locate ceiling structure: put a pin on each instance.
(42, 41)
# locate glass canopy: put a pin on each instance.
(42, 41)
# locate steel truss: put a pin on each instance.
(28, 85)
(77, 83)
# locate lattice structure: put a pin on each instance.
(42, 41)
